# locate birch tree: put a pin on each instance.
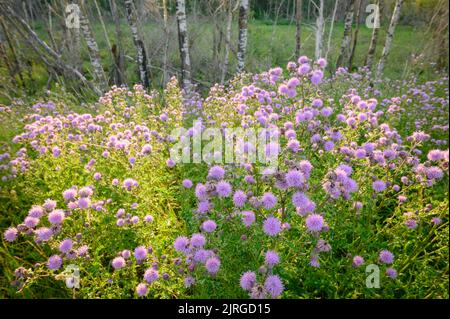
(298, 27)
(389, 37)
(243, 33)
(319, 31)
(374, 39)
(166, 39)
(355, 35)
(330, 34)
(49, 57)
(226, 58)
(141, 54)
(94, 53)
(345, 44)
(183, 41)
(119, 61)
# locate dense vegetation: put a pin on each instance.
(362, 178)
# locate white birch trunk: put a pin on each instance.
(141, 55)
(374, 39)
(243, 33)
(183, 40)
(345, 45)
(389, 37)
(319, 32)
(166, 41)
(94, 53)
(298, 27)
(333, 18)
(226, 58)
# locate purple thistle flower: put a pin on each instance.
(70, 194)
(201, 255)
(198, 240)
(316, 77)
(272, 226)
(314, 222)
(118, 263)
(189, 281)
(187, 183)
(148, 218)
(200, 191)
(140, 253)
(212, 265)
(294, 178)
(239, 198)
(66, 246)
(181, 244)
(84, 202)
(271, 258)
(391, 273)
(435, 155)
(126, 253)
(36, 211)
(269, 200)
(248, 218)
(85, 192)
(170, 163)
(411, 223)
(379, 186)
(49, 204)
(54, 262)
(209, 226)
(56, 217)
(146, 149)
(436, 220)
(10, 234)
(82, 251)
(274, 286)
(43, 233)
(223, 189)
(203, 207)
(31, 222)
(141, 290)
(248, 280)
(357, 261)
(386, 257)
(216, 172)
(151, 275)
(328, 146)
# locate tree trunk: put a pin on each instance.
(298, 27)
(333, 18)
(141, 54)
(319, 32)
(166, 41)
(389, 37)
(94, 53)
(119, 61)
(242, 42)
(226, 58)
(183, 41)
(373, 41)
(17, 65)
(343, 53)
(355, 35)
